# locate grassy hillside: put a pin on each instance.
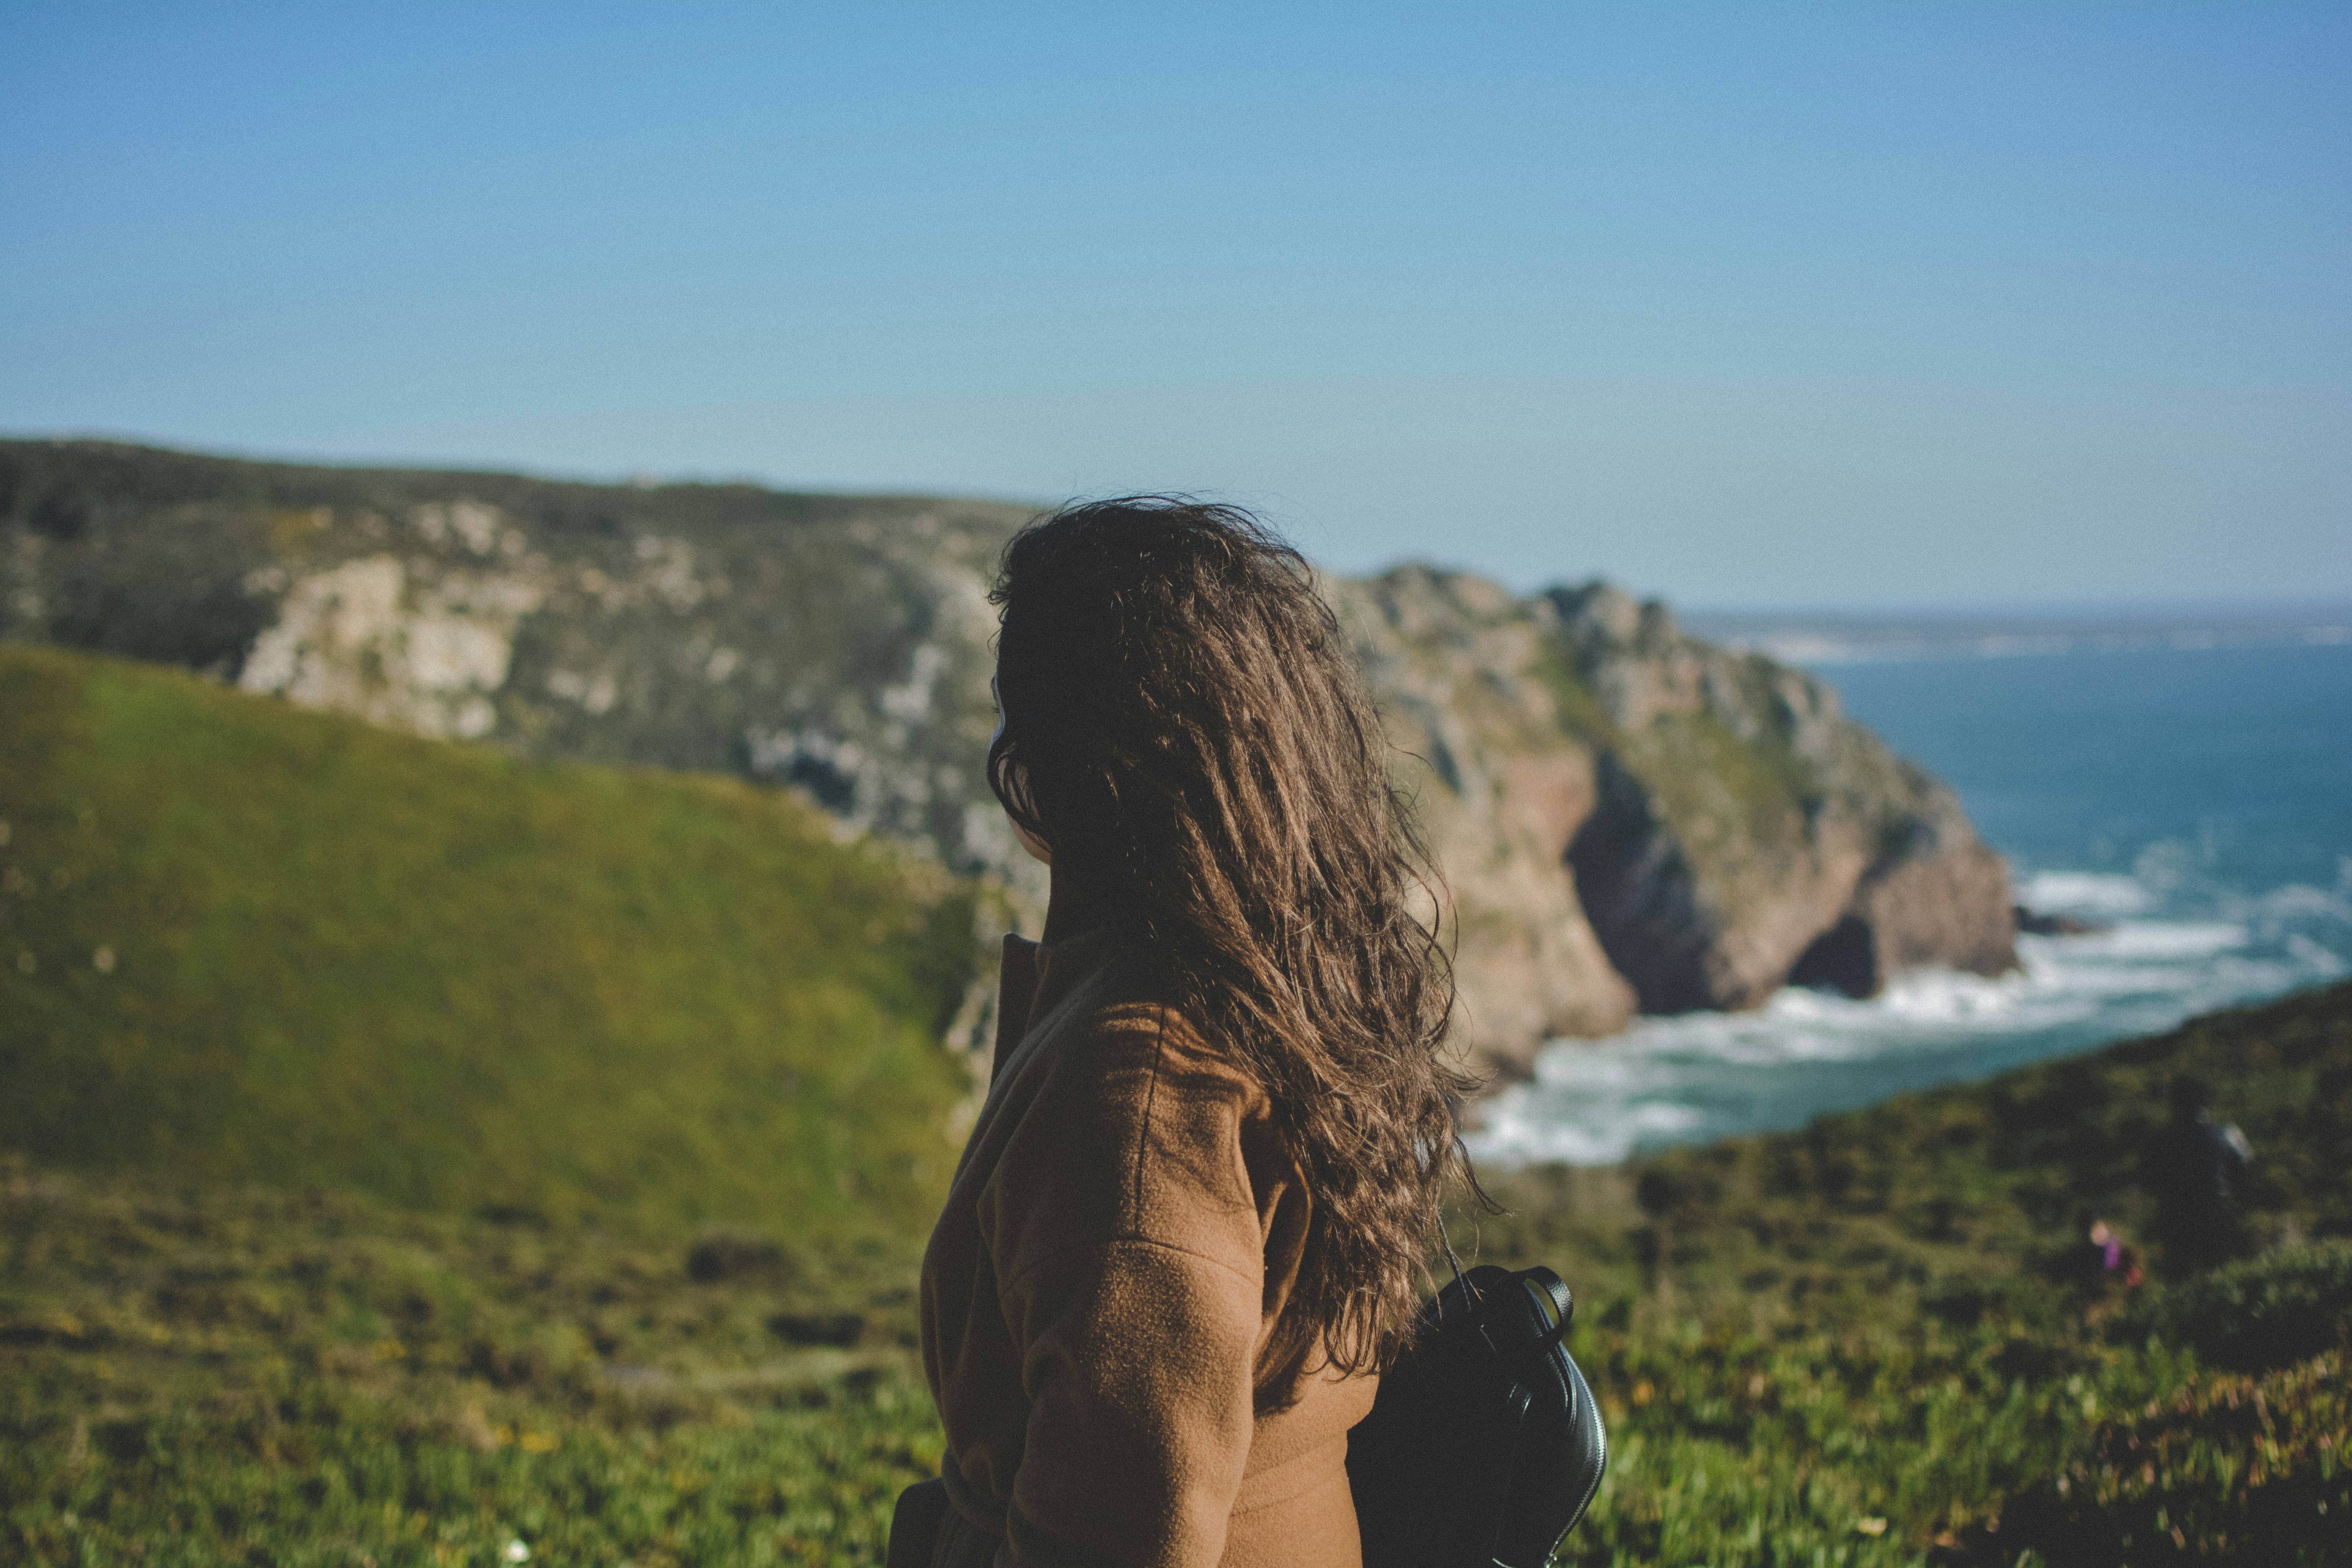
(1873, 1341)
(245, 943)
(238, 1376)
(1882, 1339)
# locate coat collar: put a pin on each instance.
(1038, 978)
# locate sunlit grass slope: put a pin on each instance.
(242, 942)
(582, 1012)
(238, 1376)
(1884, 1339)
(1872, 1343)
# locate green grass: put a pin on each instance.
(1866, 1343)
(1873, 1341)
(240, 1376)
(369, 1207)
(241, 942)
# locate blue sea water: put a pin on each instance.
(2196, 804)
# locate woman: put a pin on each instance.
(1195, 1207)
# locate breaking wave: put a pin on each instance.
(2160, 952)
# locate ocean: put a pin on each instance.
(2193, 801)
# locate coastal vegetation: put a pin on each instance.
(1887, 1338)
(241, 942)
(1880, 1339)
(424, 1153)
(201, 1374)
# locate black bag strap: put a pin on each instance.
(1563, 1306)
(1521, 1398)
(1563, 1309)
(1470, 1296)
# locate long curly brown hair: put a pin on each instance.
(1185, 732)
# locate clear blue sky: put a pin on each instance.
(1771, 304)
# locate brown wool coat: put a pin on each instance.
(1123, 1234)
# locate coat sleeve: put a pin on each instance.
(1131, 1250)
(1137, 1364)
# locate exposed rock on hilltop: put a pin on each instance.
(836, 644)
(1627, 818)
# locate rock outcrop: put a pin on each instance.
(1627, 818)
(839, 645)
(1632, 819)
(1469, 682)
(1748, 833)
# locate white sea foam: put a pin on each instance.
(2313, 956)
(2299, 902)
(2085, 893)
(1702, 1074)
(2143, 942)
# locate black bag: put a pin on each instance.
(1484, 1447)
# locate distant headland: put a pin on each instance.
(1629, 817)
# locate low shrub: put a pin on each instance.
(2268, 1311)
(2251, 1469)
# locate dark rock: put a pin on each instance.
(1843, 958)
(727, 1255)
(2029, 923)
(839, 1329)
(1642, 895)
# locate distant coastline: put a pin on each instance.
(1839, 636)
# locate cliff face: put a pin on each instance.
(1631, 819)
(1748, 834)
(1469, 681)
(1627, 818)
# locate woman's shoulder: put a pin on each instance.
(1134, 1052)
(1128, 1117)
(1104, 1024)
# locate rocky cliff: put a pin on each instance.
(835, 644)
(1627, 818)
(1632, 819)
